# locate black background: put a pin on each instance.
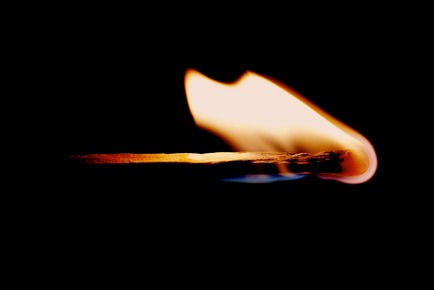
(108, 88)
(120, 88)
(126, 103)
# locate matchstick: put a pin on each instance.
(344, 162)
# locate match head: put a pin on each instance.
(355, 163)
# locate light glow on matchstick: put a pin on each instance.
(257, 113)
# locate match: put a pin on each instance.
(344, 162)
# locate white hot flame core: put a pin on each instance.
(256, 113)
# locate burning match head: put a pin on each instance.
(356, 167)
(257, 113)
(355, 163)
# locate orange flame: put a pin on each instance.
(257, 113)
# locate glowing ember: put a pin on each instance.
(258, 114)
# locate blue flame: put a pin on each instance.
(264, 178)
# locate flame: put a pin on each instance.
(258, 113)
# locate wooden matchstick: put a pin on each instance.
(336, 161)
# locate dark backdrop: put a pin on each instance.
(108, 90)
(120, 102)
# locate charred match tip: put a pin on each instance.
(354, 163)
(343, 162)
